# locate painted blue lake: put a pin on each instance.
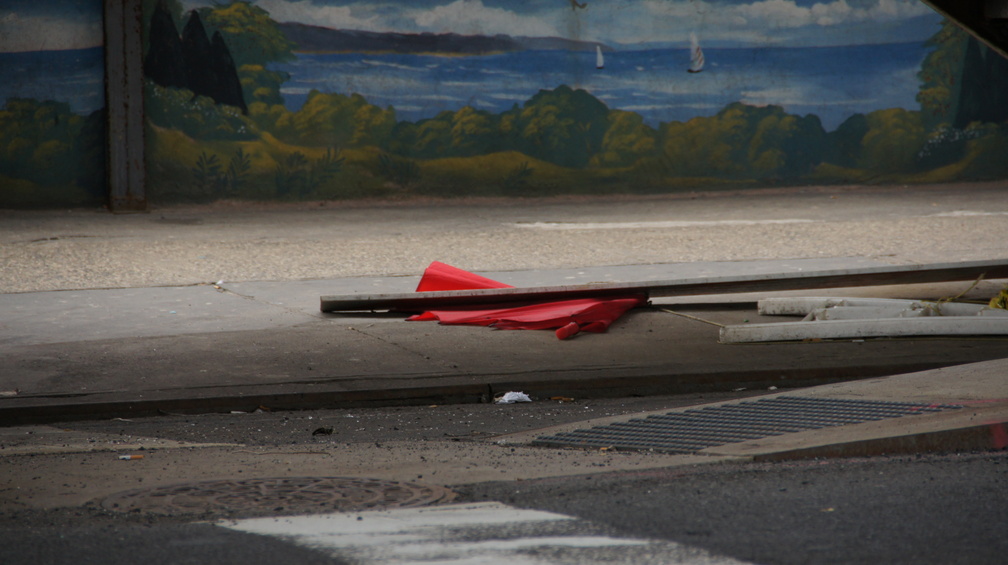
(831, 82)
(75, 76)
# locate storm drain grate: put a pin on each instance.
(693, 430)
(276, 496)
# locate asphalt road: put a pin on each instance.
(947, 508)
(919, 510)
(930, 509)
(86, 538)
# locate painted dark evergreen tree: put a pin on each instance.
(164, 62)
(196, 57)
(192, 61)
(227, 87)
(962, 81)
(984, 87)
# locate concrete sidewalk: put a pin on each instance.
(237, 346)
(121, 353)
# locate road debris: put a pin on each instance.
(512, 397)
(567, 317)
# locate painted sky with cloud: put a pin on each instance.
(27, 25)
(719, 22)
(50, 25)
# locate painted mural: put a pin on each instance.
(389, 98)
(333, 99)
(52, 101)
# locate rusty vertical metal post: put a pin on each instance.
(124, 104)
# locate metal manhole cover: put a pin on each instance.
(276, 496)
(693, 430)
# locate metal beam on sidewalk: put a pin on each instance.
(741, 283)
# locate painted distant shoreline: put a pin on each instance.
(651, 83)
(321, 40)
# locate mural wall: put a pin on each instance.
(52, 100)
(328, 99)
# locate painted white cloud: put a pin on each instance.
(663, 20)
(827, 22)
(785, 13)
(337, 17)
(36, 33)
(458, 16)
(472, 17)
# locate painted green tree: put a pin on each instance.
(251, 35)
(892, 140)
(464, 133)
(627, 141)
(941, 73)
(562, 126)
(962, 81)
(57, 157)
(335, 119)
(744, 141)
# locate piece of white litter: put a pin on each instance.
(512, 397)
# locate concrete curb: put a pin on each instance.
(982, 437)
(321, 395)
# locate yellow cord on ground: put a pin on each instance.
(1000, 300)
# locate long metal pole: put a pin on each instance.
(837, 278)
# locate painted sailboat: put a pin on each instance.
(696, 55)
(599, 60)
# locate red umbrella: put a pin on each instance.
(568, 317)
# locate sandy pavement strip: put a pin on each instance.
(247, 241)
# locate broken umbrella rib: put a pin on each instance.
(791, 280)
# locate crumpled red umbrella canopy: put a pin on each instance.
(568, 317)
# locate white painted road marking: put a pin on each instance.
(966, 214)
(670, 224)
(650, 225)
(480, 533)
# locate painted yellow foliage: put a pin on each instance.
(894, 138)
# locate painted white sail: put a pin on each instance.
(599, 60)
(696, 55)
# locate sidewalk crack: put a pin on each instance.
(221, 289)
(444, 364)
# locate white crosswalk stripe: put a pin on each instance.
(480, 533)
